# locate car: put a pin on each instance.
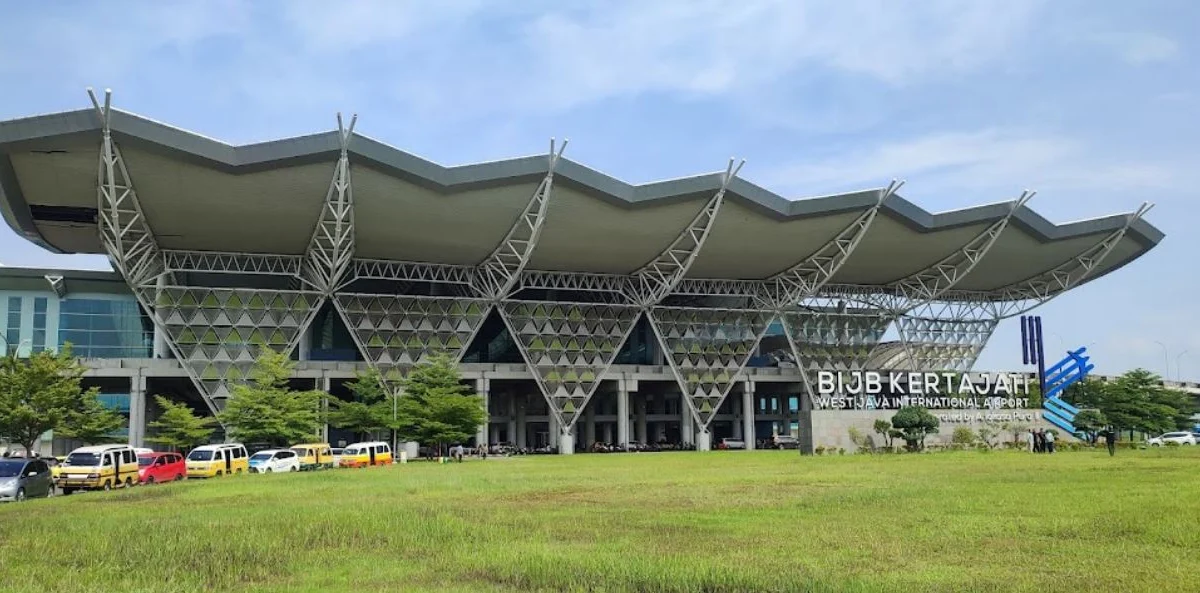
(25, 478)
(208, 461)
(785, 441)
(161, 467)
(1181, 438)
(274, 461)
(730, 443)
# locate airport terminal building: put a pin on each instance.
(586, 309)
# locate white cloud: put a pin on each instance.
(1141, 48)
(975, 163)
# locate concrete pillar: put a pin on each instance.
(704, 440)
(608, 432)
(555, 430)
(622, 414)
(482, 387)
(522, 429)
(512, 419)
(748, 416)
(137, 411)
(566, 441)
(589, 423)
(805, 435)
(640, 411)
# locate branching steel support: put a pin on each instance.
(496, 275)
(658, 278)
(332, 244)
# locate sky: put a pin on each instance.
(1091, 103)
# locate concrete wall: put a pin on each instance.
(831, 428)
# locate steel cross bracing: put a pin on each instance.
(568, 347)
(381, 269)
(499, 272)
(933, 344)
(332, 244)
(611, 284)
(395, 332)
(232, 263)
(707, 349)
(804, 279)
(124, 231)
(1036, 291)
(655, 280)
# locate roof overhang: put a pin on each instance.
(408, 208)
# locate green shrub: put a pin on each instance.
(820, 450)
(963, 436)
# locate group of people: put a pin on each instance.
(1040, 441)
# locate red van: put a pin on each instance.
(161, 467)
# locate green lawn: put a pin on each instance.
(722, 521)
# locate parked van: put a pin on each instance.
(217, 460)
(314, 456)
(102, 467)
(365, 454)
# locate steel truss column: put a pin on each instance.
(395, 332)
(568, 347)
(331, 247)
(804, 279)
(655, 280)
(1036, 291)
(707, 350)
(930, 283)
(496, 275)
(124, 230)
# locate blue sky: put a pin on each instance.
(1092, 104)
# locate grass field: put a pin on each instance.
(727, 521)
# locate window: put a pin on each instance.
(12, 334)
(98, 328)
(39, 324)
(37, 467)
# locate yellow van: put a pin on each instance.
(314, 456)
(218, 460)
(365, 454)
(102, 467)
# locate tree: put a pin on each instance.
(436, 408)
(40, 394)
(1086, 393)
(1138, 401)
(1016, 429)
(915, 423)
(93, 423)
(884, 428)
(1089, 423)
(371, 409)
(987, 432)
(963, 436)
(267, 411)
(179, 427)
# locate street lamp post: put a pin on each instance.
(15, 350)
(1166, 360)
(1178, 368)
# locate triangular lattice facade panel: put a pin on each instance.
(707, 349)
(218, 332)
(944, 344)
(831, 341)
(569, 347)
(395, 332)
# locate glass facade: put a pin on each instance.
(12, 334)
(39, 324)
(100, 328)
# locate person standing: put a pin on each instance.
(1050, 441)
(1029, 438)
(1110, 439)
